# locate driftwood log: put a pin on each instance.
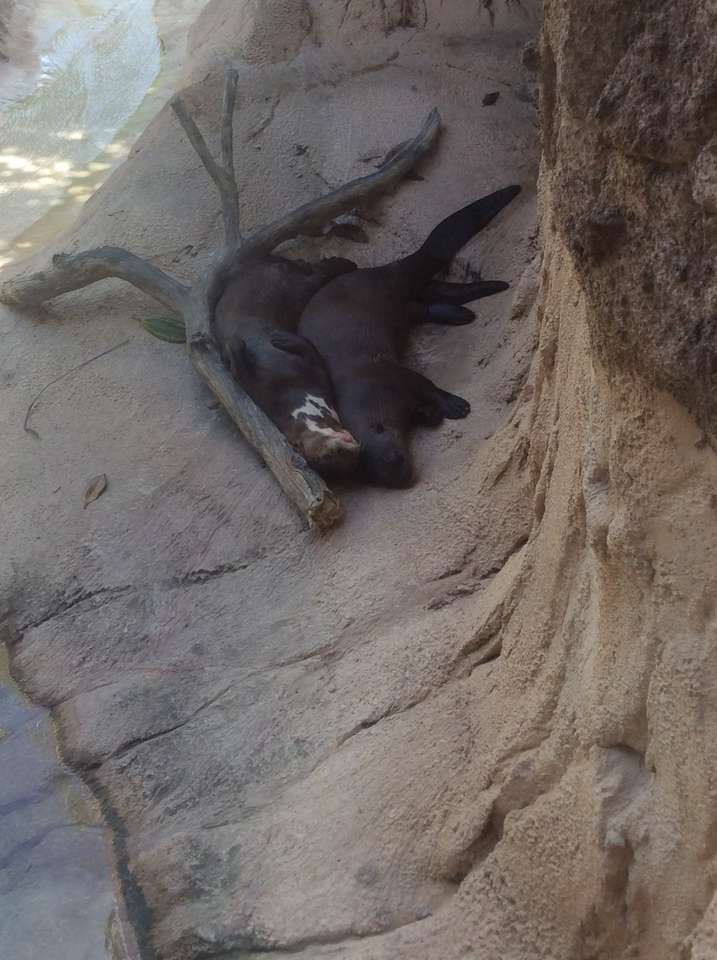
(67, 272)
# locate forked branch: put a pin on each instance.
(68, 272)
(221, 173)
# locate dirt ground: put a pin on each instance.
(430, 734)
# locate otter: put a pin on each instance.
(257, 302)
(360, 322)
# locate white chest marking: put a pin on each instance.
(312, 409)
(318, 417)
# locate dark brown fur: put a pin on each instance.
(254, 323)
(360, 323)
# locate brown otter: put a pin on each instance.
(258, 304)
(360, 323)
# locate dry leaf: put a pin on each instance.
(95, 488)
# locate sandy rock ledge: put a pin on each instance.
(478, 720)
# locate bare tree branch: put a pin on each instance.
(316, 213)
(231, 79)
(72, 271)
(222, 174)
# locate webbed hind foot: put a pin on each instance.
(439, 405)
(453, 406)
(441, 291)
(450, 314)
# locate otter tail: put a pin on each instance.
(454, 232)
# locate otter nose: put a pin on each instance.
(398, 471)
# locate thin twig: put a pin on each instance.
(72, 271)
(26, 426)
(228, 104)
(221, 173)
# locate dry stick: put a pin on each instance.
(232, 233)
(222, 174)
(71, 271)
(302, 485)
(26, 425)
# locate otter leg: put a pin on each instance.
(441, 291)
(440, 403)
(446, 313)
(434, 405)
(450, 314)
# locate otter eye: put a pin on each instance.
(378, 428)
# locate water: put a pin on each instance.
(79, 81)
(83, 79)
(50, 135)
(57, 890)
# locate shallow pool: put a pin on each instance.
(83, 79)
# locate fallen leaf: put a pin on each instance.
(171, 329)
(95, 488)
(26, 426)
(490, 98)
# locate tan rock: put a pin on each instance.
(704, 187)
(479, 720)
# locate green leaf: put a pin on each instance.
(171, 329)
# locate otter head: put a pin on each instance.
(315, 430)
(385, 459)
(286, 377)
(377, 409)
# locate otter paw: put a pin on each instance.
(453, 407)
(450, 314)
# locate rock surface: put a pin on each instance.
(479, 718)
(58, 897)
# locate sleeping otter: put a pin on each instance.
(260, 300)
(360, 323)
